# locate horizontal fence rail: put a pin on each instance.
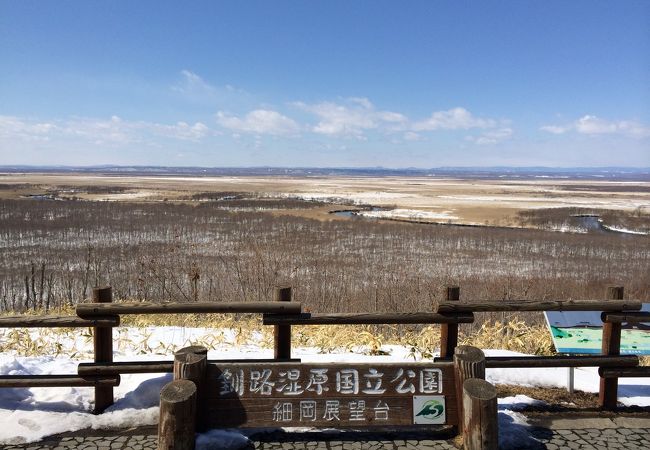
(102, 315)
(116, 368)
(57, 322)
(21, 381)
(628, 317)
(533, 305)
(503, 362)
(86, 310)
(615, 372)
(366, 318)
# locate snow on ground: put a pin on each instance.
(29, 414)
(624, 230)
(631, 391)
(411, 214)
(358, 198)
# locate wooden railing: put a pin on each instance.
(102, 315)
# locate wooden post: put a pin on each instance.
(176, 426)
(608, 394)
(481, 424)
(103, 346)
(449, 331)
(190, 363)
(282, 333)
(469, 362)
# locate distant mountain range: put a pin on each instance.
(594, 173)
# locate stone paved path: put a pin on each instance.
(551, 433)
(149, 442)
(286, 442)
(592, 433)
(625, 438)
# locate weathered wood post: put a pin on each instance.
(176, 426)
(103, 346)
(449, 331)
(190, 363)
(469, 362)
(481, 424)
(608, 394)
(282, 333)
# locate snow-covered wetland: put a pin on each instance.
(234, 238)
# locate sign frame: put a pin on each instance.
(331, 395)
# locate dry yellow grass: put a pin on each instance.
(513, 335)
(422, 342)
(470, 200)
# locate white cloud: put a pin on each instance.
(101, 131)
(193, 85)
(259, 121)
(492, 136)
(555, 129)
(184, 130)
(11, 126)
(453, 119)
(592, 125)
(112, 131)
(634, 129)
(352, 117)
(411, 136)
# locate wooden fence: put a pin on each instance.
(102, 315)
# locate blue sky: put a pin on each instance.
(339, 84)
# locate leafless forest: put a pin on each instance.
(53, 252)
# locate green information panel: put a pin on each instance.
(581, 332)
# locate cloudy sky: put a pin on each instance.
(330, 83)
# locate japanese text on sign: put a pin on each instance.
(318, 381)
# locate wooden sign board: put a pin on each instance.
(330, 395)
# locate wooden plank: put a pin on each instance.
(502, 362)
(536, 305)
(178, 413)
(628, 317)
(469, 362)
(608, 392)
(282, 333)
(19, 381)
(190, 363)
(615, 372)
(365, 318)
(248, 395)
(343, 412)
(87, 310)
(481, 430)
(449, 331)
(319, 379)
(89, 369)
(103, 346)
(54, 321)
(116, 368)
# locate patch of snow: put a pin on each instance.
(30, 414)
(221, 439)
(514, 431)
(632, 391)
(357, 198)
(412, 214)
(568, 229)
(624, 230)
(519, 402)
